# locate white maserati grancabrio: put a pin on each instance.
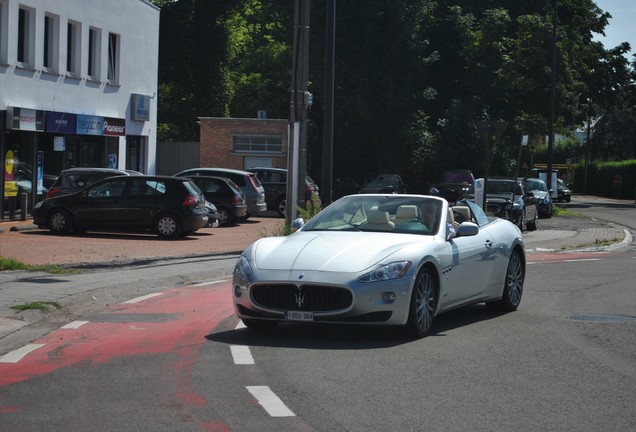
(383, 260)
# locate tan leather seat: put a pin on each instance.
(378, 220)
(406, 213)
(464, 211)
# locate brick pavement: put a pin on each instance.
(39, 247)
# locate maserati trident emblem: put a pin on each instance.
(300, 298)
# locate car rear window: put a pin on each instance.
(192, 188)
(255, 179)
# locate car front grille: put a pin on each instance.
(316, 298)
(495, 210)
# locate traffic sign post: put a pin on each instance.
(489, 132)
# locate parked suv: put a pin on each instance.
(247, 181)
(274, 181)
(74, 179)
(226, 196)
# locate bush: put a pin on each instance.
(601, 178)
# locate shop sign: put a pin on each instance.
(140, 105)
(61, 123)
(114, 127)
(89, 125)
(25, 119)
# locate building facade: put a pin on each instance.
(78, 86)
(243, 143)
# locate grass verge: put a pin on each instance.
(38, 305)
(13, 264)
(561, 211)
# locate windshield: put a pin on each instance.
(383, 181)
(500, 187)
(394, 213)
(536, 185)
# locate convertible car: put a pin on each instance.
(382, 259)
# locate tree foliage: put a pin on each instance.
(412, 78)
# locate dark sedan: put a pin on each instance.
(541, 193)
(171, 207)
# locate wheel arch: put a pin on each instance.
(429, 264)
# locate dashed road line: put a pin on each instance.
(582, 260)
(270, 402)
(17, 355)
(142, 298)
(240, 325)
(73, 325)
(241, 355)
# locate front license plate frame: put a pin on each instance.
(299, 316)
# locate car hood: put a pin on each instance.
(499, 198)
(330, 251)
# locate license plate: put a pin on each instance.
(299, 316)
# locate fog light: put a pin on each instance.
(238, 291)
(388, 297)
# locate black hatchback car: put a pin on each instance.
(171, 207)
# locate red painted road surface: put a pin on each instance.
(188, 315)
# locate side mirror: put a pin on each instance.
(297, 224)
(467, 229)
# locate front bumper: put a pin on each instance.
(367, 302)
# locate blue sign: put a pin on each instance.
(90, 125)
(60, 122)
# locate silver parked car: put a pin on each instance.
(382, 259)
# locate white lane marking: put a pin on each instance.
(270, 402)
(240, 325)
(582, 260)
(142, 298)
(73, 325)
(241, 354)
(210, 283)
(17, 355)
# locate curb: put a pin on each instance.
(21, 228)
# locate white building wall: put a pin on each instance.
(36, 87)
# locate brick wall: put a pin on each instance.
(217, 140)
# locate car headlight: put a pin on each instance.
(434, 190)
(394, 270)
(38, 205)
(243, 270)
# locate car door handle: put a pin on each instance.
(488, 243)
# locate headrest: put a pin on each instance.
(377, 217)
(406, 212)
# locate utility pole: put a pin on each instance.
(300, 100)
(552, 96)
(326, 185)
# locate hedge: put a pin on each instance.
(609, 179)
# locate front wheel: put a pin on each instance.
(281, 207)
(225, 216)
(167, 226)
(513, 285)
(422, 305)
(60, 221)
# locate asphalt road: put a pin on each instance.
(566, 360)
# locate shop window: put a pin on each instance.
(94, 54)
(113, 57)
(51, 42)
(26, 32)
(73, 48)
(258, 144)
